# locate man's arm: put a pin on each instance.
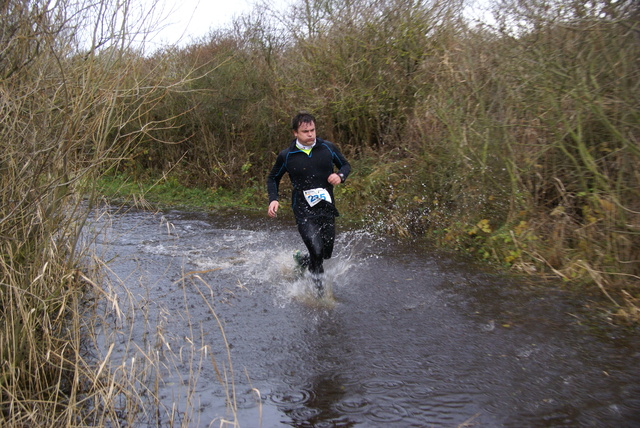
(273, 182)
(344, 168)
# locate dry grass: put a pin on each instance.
(69, 112)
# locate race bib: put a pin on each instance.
(313, 196)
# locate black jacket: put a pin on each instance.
(308, 172)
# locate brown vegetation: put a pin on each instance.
(69, 109)
(517, 140)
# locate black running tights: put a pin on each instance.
(318, 234)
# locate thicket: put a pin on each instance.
(515, 139)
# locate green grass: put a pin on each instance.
(168, 192)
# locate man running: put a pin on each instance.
(310, 163)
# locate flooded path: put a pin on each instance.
(221, 329)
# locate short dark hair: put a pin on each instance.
(300, 118)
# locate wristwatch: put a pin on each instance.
(341, 175)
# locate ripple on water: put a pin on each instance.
(382, 386)
(293, 376)
(421, 392)
(346, 382)
(290, 398)
(455, 400)
(249, 400)
(386, 413)
(403, 367)
(353, 405)
(303, 413)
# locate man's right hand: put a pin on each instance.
(273, 209)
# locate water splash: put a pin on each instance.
(258, 260)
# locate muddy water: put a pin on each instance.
(222, 329)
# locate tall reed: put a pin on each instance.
(71, 108)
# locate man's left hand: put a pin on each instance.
(334, 179)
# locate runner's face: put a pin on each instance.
(306, 133)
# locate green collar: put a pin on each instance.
(306, 149)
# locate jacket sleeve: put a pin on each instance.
(274, 177)
(341, 162)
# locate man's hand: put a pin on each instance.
(334, 179)
(273, 209)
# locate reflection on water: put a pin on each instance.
(406, 338)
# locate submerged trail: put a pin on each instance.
(211, 306)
